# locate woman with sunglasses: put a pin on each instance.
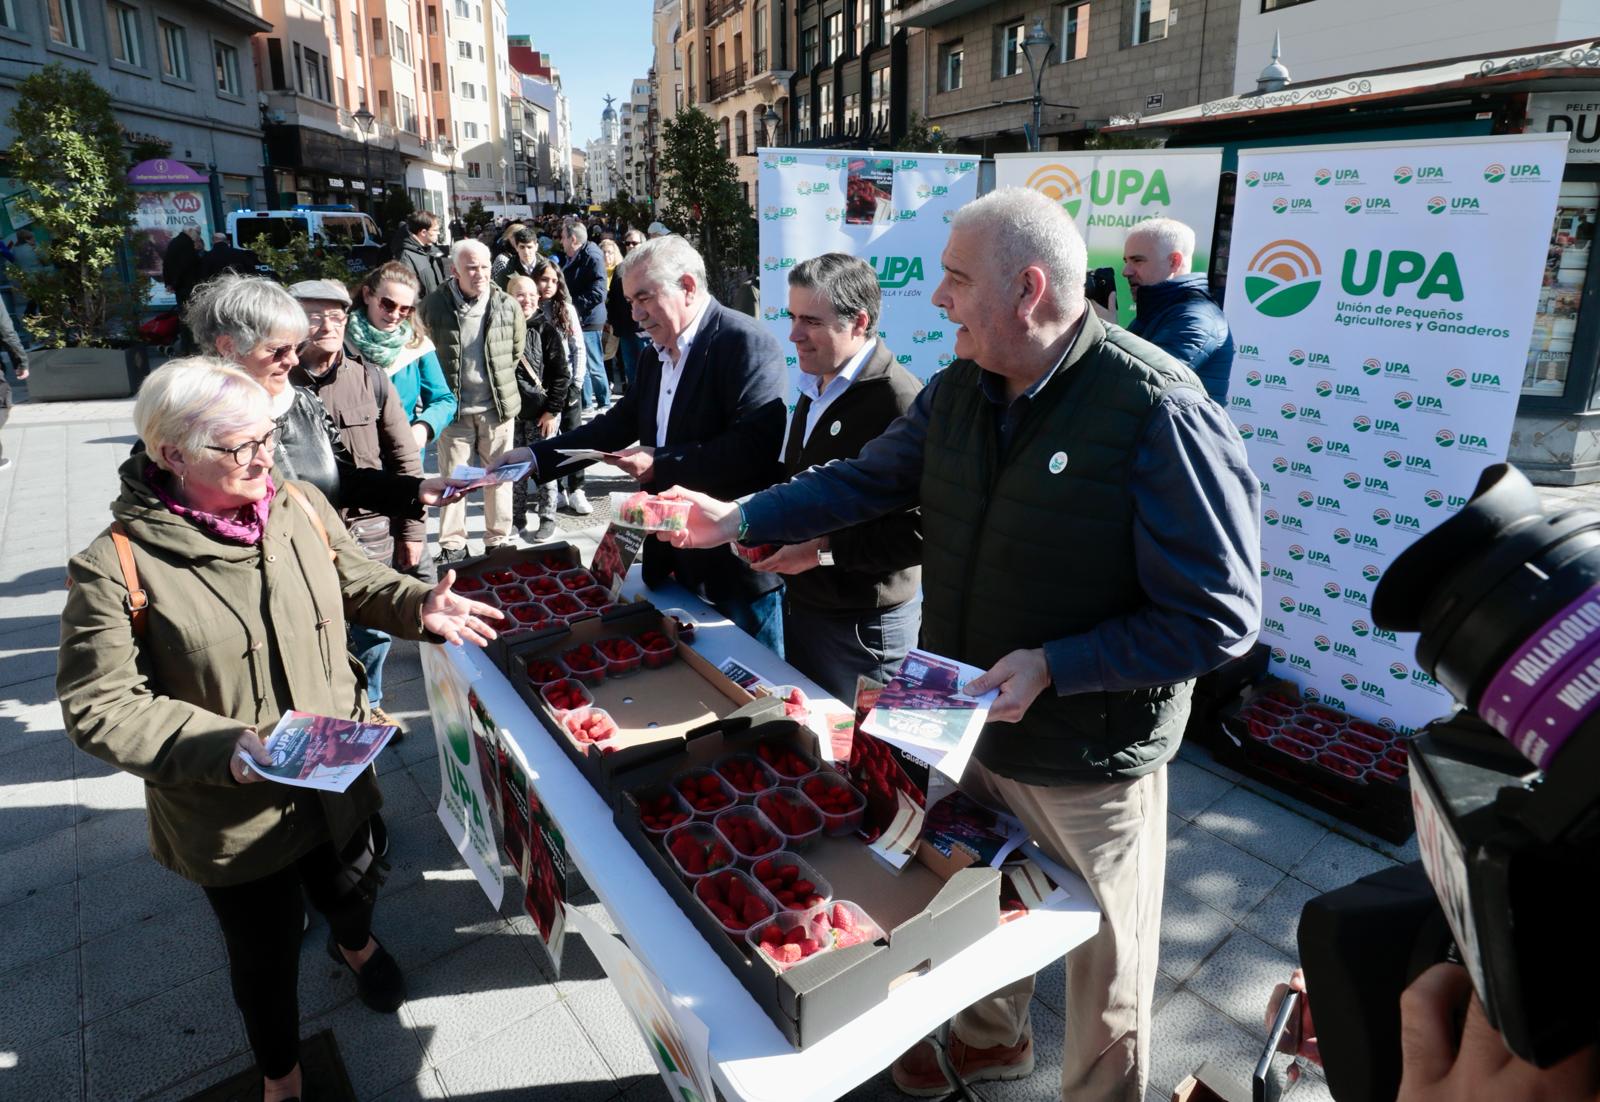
(249, 579)
(555, 303)
(385, 331)
(257, 325)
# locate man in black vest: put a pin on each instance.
(851, 604)
(1089, 528)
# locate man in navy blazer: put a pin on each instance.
(707, 413)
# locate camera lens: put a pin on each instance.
(1507, 601)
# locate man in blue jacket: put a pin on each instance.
(1173, 309)
(585, 270)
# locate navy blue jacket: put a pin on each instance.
(723, 438)
(1181, 318)
(586, 283)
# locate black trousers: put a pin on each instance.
(262, 922)
(526, 434)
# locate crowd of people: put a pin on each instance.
(275, 511)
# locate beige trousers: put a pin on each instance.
(475, 438)
(1114, 835)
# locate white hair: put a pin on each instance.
(191, 402)
(464, 246)
(1023, 228)
(577, 231)
(1166, 236)
(664, 260)
(247, 309)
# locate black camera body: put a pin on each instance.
(1507, 601)
(1099, 285)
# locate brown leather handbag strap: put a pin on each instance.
(138, 600)
(316, 521)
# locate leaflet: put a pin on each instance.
(922, 710)
(321, 752)
(465, 479)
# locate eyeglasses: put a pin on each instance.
(282, 352)
(328, 317)
(395, 308)
(628, 242)
(246, 453)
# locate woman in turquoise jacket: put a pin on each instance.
(385, 331)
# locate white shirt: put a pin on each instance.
(672, 371)
(825, 397)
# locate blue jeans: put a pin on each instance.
(596, 387)
(629, 348)
(834, 648)
(370, 647)
(762, 618)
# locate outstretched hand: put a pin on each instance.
(711, 522)
(445, 612)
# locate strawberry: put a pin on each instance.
(509, 595)
(563, 604)
(763, 869)
(499, 577)
(555, 562)
(527, 569)
(468, 583)
(544, 586)
(772, 935)
(574, 580)
(843, 918)
(724, 913)
(543, 671)
(786, 954)
(754, 909)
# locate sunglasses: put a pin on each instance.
(393, 307)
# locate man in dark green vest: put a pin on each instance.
(1090, 539)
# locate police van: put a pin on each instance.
(337, 225)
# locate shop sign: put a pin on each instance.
(1576, 114)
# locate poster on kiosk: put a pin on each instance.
(1381, 299)
(892, 210)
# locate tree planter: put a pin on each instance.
(74, 374)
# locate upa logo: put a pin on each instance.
(1274, 625)
(1322, 643)
(1393, 460)
(1399, 671)
(1372, 366)
(1290, 521)
(1314, 445)
(1296, 552)
(1241, 401)
(1324, 388)
(1331, 590)
(832, 214)
(1472, 442)
(1284, 576)
(1494, 172)
(1271, 517)
(1301, 470)
(1300, 661)
(1347, 392)
(1368, 542)
(1352, 205)
(1266, 432)
(1437, 205)
(946, 359)
(1297, 357)
(1341, 536)
(1282, 278)
(1433, 499)
(1326, 504)
(1279, 205)
(1060, 183)
(1286, 603)
(1386, 426)
(1280, 463)
(1352, 480)
(1246, 432)
(1306, 499)
(1455, 377)
(1360, 628)
(927, 336)
(1322, 177)
(1407, 522)
(1350, 682)
(1402, 175)
(1319, 558)
(1252, 179)
(903, 359)
(1403, 399)
(773, 214)
(1308, 610)
(1345, 650)
(1465, 204)
(1371, 573)
(1362, 424)
(1289, 411)
(1399, 268)
(777, 264)
(1445, 438)
(894, 272)
(1279, 654)
(774, 313)
(1253, 378)
(818, 188)
(1373, 691)
(1381, 517)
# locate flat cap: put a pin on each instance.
(321, 290)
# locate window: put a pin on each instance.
(439, 128)
(355, 33)
(338, 27)
(226, 60)
(852, 113)
(8, 16)
(408, 114)
(344, 92)
(377, 35)
(761, 30)
(463, 9)
(951, 55)
(433, 72)
(469, 90)
(433, 21)
(741, 134)
(299, 70)
(808, 49)
(1555, 322)
(469, 131)
(174, 51)
(122, 31)
(825, 110)
(878, 87)
(474, 169)
(400, 43)
(464, 49)
(883, 24)
(1275, 5)
(316, 86)
(1074, 32)
(1009, 58)
(1150, 20)
(835, 26)
(863, 26)
(480, 53)
(66, 23)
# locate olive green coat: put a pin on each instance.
(236, 635)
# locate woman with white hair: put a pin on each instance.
(256, 324)
(214, 603)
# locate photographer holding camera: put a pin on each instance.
(1487, 937)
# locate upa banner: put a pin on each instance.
(1381, 299)
(1108, 194)
(892, 210)
(468, 744)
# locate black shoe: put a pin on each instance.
(448, 555)
(379, 982)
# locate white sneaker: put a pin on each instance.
(560, 500)
(578, 502)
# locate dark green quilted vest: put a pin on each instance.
(1023, 550)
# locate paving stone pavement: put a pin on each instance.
(112, 974)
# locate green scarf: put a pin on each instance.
(375, 345)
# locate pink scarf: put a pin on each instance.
(243, 525)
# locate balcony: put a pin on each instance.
(761, 62)
(932, 13)
(717, 9)
(727, 83)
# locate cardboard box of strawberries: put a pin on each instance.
(771, 867)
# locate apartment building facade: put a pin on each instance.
(850, 75)
(549, 171)
(735, 56)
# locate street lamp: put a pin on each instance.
(1039, 49)
(448, 148)
(769, 123)
(503, 189)
(364, 119)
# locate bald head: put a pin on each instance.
(469, 261)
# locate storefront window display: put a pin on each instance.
(1556, 322)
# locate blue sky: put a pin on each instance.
(600, 46)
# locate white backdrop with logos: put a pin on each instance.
(1108, 194)
(1381, 298)
(891, 210)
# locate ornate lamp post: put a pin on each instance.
(1039, 49)
(364, 119)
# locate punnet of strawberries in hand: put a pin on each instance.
(698, 850)
(737, 901)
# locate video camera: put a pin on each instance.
(1099, 285)
(1507, 602)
